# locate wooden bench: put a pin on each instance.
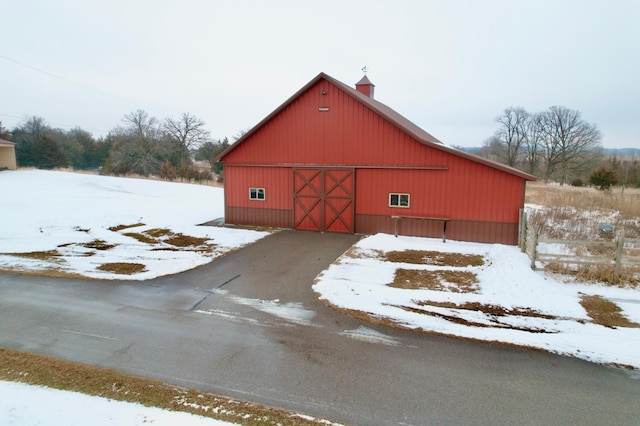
(444, 220)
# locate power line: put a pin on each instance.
(66, 80)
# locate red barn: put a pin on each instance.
(331, 158)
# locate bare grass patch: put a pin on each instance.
(71, 376)
(468, 323)
(166, 236)
(495, 310)
(436, 258)
(628, 276)
(50, 255)
(121, 227)
(122, 268)
(157, 232)
(141, 237)
(444, 280)
(180, 240)
(605, 312)
(98, 245)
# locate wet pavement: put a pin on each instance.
(249, 326)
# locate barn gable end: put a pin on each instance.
(333, 159)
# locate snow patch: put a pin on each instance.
(369, 335)
(22, 404)
(291, 311)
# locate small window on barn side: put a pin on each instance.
(398, 200)
(256, 194)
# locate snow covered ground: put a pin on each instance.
(540, 310)
(22, 405)
(71, 222)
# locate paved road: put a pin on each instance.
(249, 326)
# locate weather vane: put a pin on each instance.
(365, 69)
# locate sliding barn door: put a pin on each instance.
(323, 199)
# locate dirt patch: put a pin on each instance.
(160, 236)
(51, 272)
(180, 240)
(444, 280)
(468, 323)
(98, 245)
(121, 227)
(436, 258)
(605, 312)
(496, 310)
(122, 268)
(141, 237)
(66, 375)
(50, 255)
(157, 232)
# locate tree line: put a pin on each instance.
(554, 145)
(142, 145)
(557, 145)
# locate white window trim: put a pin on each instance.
(257, 192)
(400, 194)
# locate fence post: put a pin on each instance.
(619, 247)
(534, 249)
(522, 231)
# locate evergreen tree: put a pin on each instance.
(603, 178)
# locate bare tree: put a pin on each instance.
(533, 142)
(509, 140)
(568, 142)
(4, 132)
(188, 131)
(139, 146)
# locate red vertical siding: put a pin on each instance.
(440, 193)
(348, 134)
(275, 180)
(334, 129)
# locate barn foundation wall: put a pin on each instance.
(275, 218)
(461, 230)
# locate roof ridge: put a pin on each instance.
(385, 112)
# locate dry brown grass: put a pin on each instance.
(443, 280)
(49, 255)
(145, 239)
(583, 198)
(122, 268)
(98, 245)
(437, 258)
(576, 214)
(496, 310)
(71, 376)
(158, 236)
(628, 276)
(157, 232)
(605, 312)
(121, 227)
(49, 272)
(180, 240)
(468, 323)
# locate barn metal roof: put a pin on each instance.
(385, 112)
(5, 142)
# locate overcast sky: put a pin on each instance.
(451, 67)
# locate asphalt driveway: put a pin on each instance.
(249, 326)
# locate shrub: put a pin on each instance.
(577, 182)
(603, 178)
(167, 171)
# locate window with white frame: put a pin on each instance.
(256, 194)
(398, 200)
